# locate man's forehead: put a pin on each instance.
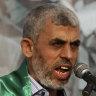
(50, 22)
(56, 35)
(51, 30)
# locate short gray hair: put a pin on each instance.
(36, 19)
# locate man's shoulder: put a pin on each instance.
(5, 84)
(6, 78)
(11, 84)
(16, 83)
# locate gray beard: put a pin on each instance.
(45, 79)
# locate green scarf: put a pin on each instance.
(16, 83)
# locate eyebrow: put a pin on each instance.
(60, 41)
(57, 41)
(76, 42)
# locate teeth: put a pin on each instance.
(64, 68)
(61, 73)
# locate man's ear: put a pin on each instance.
(27, 47)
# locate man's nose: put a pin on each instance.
(66, 52)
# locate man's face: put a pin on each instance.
(55, 54)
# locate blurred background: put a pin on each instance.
(12, 16)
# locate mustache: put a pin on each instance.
(60, 62)
(63, 61)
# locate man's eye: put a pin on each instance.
(57, 45)
(75, 45)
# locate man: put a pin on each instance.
(50, 44)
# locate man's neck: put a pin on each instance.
(30, 69)
(52, 92)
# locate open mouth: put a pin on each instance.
(63, 71)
